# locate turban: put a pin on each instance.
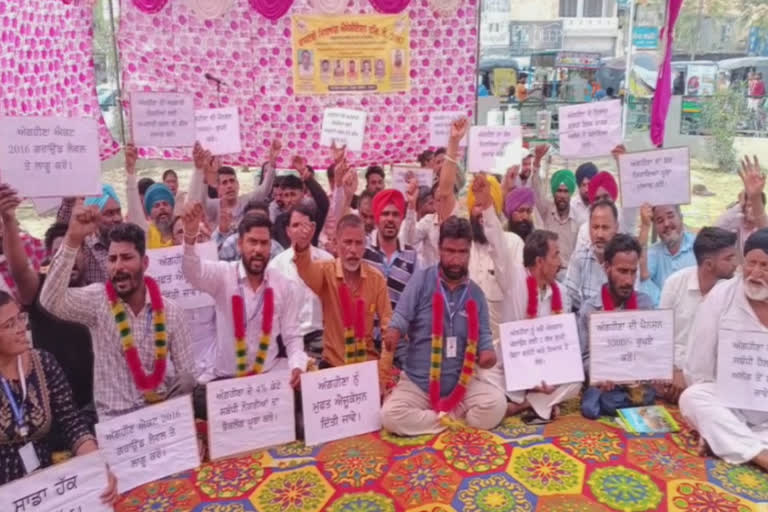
(517, 198)
(604, 180)
(155, 193)
(387, 197)
(107, 193)
(585, 171)
(496, 196)
(757, 240)
(563, 177)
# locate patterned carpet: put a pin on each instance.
(571, 465)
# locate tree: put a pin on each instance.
(722, 115)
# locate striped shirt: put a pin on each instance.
(397, 271)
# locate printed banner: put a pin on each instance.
(165, 268)
(341, 55)
(250, 413)
(742, 369)
(75, 485)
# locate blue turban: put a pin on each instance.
(157, 192)
(587, 170)
(107, 193)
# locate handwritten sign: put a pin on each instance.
(400, 173)
(340, 402)
(218, 130)
(656, 177)
(540, 350)
(630, 346)
(150, 443)
(590, 129)
(742, 369)
(46, 205)
(440, 128)
(74, 486)
(344, 127)
(165, 268)
(494, 148)
(50, 156)
(164, 119)
(249, 413)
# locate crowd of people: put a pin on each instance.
(424, 285)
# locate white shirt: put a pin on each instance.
(311, 309)
(579, 209)
(224, 279)
(682, 295)
(424, 235)
(202, 329)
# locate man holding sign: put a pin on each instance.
(727, 401)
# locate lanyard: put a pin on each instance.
(451, 312)
(18, 409)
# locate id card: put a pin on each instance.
(451, 347)
(29, 458)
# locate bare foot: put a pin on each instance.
(513, 408)
(762, 460)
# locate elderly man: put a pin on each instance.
(557, 214)
(518, 207)
(159, 203)
(735, 310)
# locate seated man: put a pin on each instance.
(622, 257)
(439, 372)
(737, 436)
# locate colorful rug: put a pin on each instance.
(571, 465)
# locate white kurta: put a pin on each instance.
(735, 435)
(682, 294)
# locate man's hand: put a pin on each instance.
(212, 165)
(486, 359)
(110, 494)
(225, 220)
(83, 222)
(510, 180)
(274, 151)
(9, 201)
(199, 156)
(340, 171)
(296, 378)
(412, 193)
(646, 216)
(193, 214)
(390, 340)
(545, 388)
(337, 153)
(605, 386)
(350, 184)
(299, 164)
(482, 191)
(459, 129)
(617, 152)
(539, 152)
(131, 156)
(302, 237)
(753, 177)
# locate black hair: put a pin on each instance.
(365, 194)
(675, 207)
(278, 182)
(292, 182)
(440, 151)
(455, 228)
(604, 203)
(349, 220)
(330, 173)
(304, 209)
(374, 169)
(226, 170)
(144, 184)
(425, 157)
(256, 205)
(130, 233)
(170, 172)
(621, 242)
(253, 220)
(710, 241)
(609, 91)
(6, 298)
(537, 246)
(425, 193)
(56, 230)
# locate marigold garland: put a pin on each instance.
(608, 304)
(241, 347)
(147, 384)
(532, 311)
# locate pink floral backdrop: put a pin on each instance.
(46, 62)
(172, 49)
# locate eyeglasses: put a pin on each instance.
(21, 318)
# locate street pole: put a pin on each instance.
(627, 69)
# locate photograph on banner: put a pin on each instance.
(250, 413)
(401, 173)
(218, 130)
(162, 119)
(340, 402)
(165, 268)
(74, 485)
(440, 128)
(150, 443)
(354, 53)
(742, 369)
(343, 126)
(493, 149)
(656, 177)
(631, 346)
(50, 156)
(540, 350)
(590, 129)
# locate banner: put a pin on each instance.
(741, 369)
(340, 55)
(165, 268)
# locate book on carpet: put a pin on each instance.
(648, 420)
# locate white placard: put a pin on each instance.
(657, 177)
(50, 156)
(344, 127)
(540, 350)
(340, 402)
(425, 177)
(165, 268)
(742, 369)
(46, 205)
(590, 129)
(630, 346)
(440, 128)
(162, 119)
(250, 413)
(494, 149)
(73, 486)
(218, 130)
(150, 443)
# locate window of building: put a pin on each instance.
(569, 8)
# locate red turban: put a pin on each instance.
(387, 197)
(604, 180)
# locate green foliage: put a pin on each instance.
(721, 117)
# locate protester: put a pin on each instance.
(229, 248)
(556, 214)
(580, 202)
(293, 188)
(365, 210)
(159, 203)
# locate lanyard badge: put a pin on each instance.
(22, 429)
